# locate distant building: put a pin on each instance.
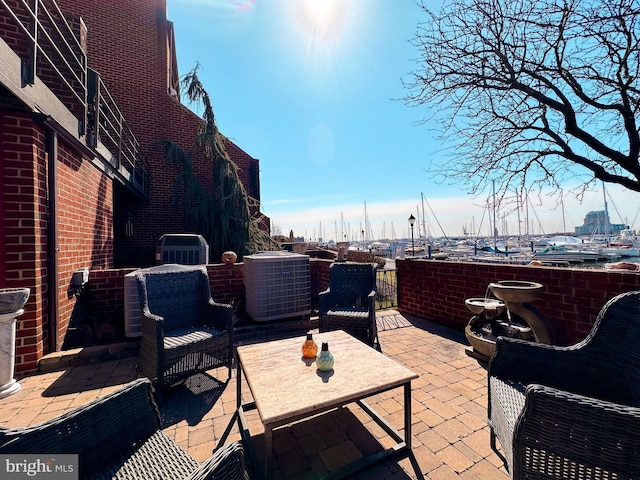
(598, 223)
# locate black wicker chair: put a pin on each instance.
(119, 436)
(183, 330)
(349, 302)
(571, 412)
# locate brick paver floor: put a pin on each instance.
(449, 401)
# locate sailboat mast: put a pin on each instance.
(365, 235)
(606, 215)
(495, 226)
(519, 219)
(424, 217)
(564, 224)
(526, 215)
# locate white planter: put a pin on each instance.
(8, 384)
(11, 302)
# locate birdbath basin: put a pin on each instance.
(516, 291)
(479, 305)
(13, 299)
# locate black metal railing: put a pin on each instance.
(387, 288)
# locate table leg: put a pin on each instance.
(407, 414)
(268, 452)
(239, 386)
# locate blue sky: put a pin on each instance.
(313, 89)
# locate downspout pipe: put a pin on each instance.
(52, 237)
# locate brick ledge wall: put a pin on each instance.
(106, 292)
(429, 289)
(436, 290)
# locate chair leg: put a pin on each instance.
(159, 395)
(492, 442)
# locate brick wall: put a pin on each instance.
(70, 55)
(572, 298)
(106, 303)
(106, 292)
(10, 32)
(127, 46)
(84, 218)
(430, 289)
(227, 283)
(23, 219)
(85, 233)
(106, 295)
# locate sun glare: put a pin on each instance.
(325, 34)
(323, 19)
(319, 8)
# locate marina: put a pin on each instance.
(597, 243)
(541, 251)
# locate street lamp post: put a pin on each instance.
(412, 220)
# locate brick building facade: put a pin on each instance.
(81, 184)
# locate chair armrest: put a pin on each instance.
(529, 362)
(219, 316)
(557, 425)
(97, 431)
(371, 299)
(227, 463)
(151, 345)
(324, 299)
(151, 316)
(152, 326)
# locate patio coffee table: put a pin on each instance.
(287, 388)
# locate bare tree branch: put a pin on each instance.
(532, 93)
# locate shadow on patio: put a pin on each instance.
(449, 404)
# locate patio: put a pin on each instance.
(449, 402)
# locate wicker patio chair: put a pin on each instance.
(571, 412)
(183, 330)
(349, 302)
(119, 436)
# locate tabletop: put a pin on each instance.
(286, 385)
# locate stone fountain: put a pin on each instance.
(12, 301)
(510, 314)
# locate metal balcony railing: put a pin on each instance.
(107, 126)
(51, 48)
(44, 40)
